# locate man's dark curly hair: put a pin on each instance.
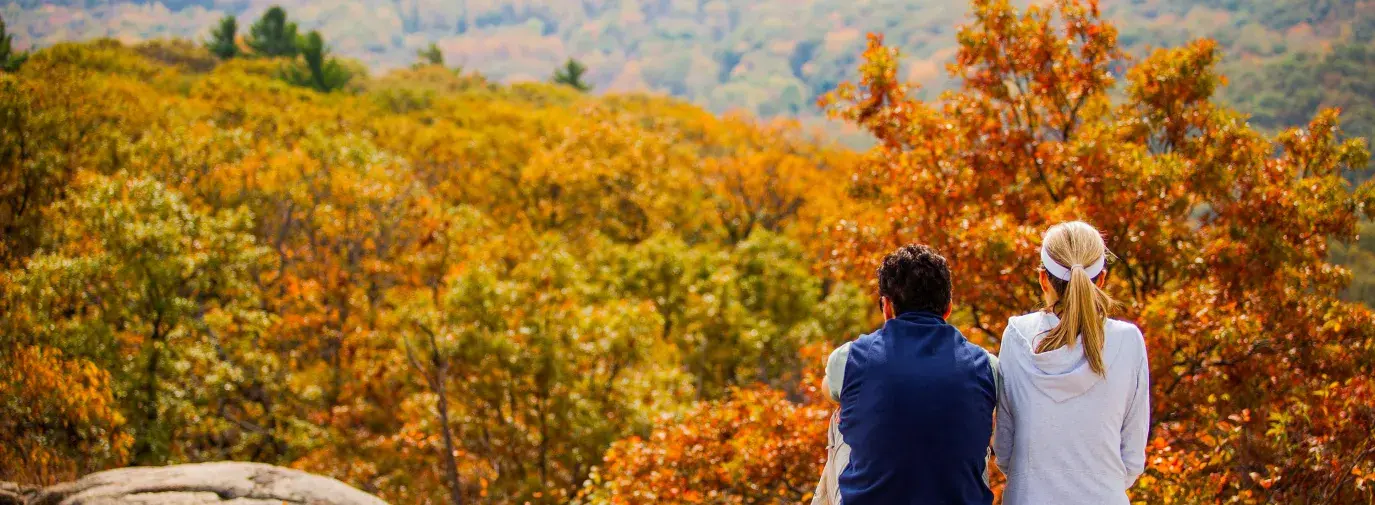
(915, 278)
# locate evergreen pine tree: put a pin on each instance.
(222, 40)
(571, 74)
(321, 72)
(9, 59)
(273, 35)
(430, 56)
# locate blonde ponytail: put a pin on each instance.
(1083, 308)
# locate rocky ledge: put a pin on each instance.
(221, 483)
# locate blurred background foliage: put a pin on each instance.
(212, 259)
(1285, 58)
(401, 244)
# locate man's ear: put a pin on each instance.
(887, 306)
(948, 309)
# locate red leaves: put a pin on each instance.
(1221, 244)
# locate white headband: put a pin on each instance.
(1062, 273)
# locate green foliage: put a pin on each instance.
(224, 39)
(737, 316)
(770, 58)
(1280, 14)
(1359, 256)
(319, 70)
(187, 56)
(39, 152)
(10, 60)
(418, 88)
(134, 280)
(1286, 91)
(273, 35)
(571, 74)
(430, 56)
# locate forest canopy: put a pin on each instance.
(442, 288)
(205, 260)
(767, 57)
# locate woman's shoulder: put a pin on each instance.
(1023, 329)
(1031, 323)
(1122, 329)
(1126, 334)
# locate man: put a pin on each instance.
(916, 398)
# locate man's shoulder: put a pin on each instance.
(867, 346)
(980, 361)
(975, 351)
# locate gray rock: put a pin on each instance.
(220, 483)
(14, 494)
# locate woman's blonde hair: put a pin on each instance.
(1082, 307)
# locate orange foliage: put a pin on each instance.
(1261, 375)
(51, 397)
(437, 288)
(755, 447)
(429, 286)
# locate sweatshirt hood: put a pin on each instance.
(1063, 373)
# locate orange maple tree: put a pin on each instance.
(441, 289)
(1261, 375)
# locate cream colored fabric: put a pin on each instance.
(837, 456)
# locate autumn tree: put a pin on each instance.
(753, 447)
(1221, 236)
(420, 326)
(540, 403)
(570, 74)
(1261, 374)
(55, 124)
(1360, 258)
(133, 280)
(773, 179)
(224, 38)
(273, 35)
(321, 71)
(297, 252)
(60, 420)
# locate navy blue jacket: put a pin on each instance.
(917, 411)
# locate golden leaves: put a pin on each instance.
(1221, 240)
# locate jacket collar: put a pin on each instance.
(921, 317)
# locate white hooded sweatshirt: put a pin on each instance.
(1066, 435)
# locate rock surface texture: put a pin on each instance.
(220, 483)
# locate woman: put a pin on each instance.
(1074, 404)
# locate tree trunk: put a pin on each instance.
(450, 461)
(143, 446)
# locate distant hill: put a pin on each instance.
(769, 57)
